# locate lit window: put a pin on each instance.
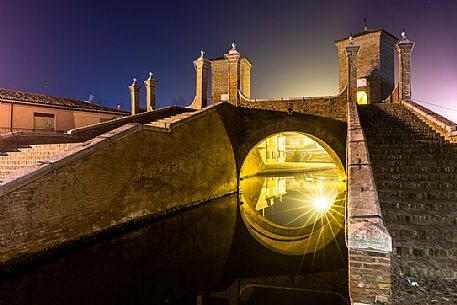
(362, 97)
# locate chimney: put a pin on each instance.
(135, 97)
(150, 85)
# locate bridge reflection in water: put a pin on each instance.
(294, 200)
(293, 192)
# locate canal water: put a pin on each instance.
(202, 251)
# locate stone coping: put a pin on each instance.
(365, 225)
(292, 99)
(433, 118)
(137, 118)
(31, 173)
(194, 115)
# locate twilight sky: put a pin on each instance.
(79, 48)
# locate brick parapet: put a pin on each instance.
(445, 127)
(118, 177)
(367, 236)
(327, 106)
(90, 131)
(32, 173)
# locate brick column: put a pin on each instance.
(351, 55)
(135, 97)
(150, 85)
(201, 90)
(404, 48)
(233, 58)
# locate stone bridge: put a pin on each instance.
(146, 209)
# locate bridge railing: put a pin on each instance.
(445, 127)
(368, 241)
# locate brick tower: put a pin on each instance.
(375, 64)
(228, 75)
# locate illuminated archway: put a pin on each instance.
(293, 190)
(362, 97)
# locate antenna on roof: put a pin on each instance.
(91, 98)
(365, 28)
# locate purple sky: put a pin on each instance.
(79, 48)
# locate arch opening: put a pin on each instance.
(293, 190)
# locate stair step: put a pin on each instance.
(416, 177)
(411, 194)
(395, 169)
(425, 267)
(417, 185)
(451, 156)
(395, 217)
(416, 232)
(422, 206)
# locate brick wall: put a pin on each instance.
(219, 79)
(375, 62)
(370, 277)
(127, 174)
(328, 106)
(245, 77)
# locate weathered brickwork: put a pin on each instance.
(143, 173)
(13, 158)
(367, 236)
(375, 62)
(328, 107)
(440, 124)
(228, 75)
(370, 277)
(245, 77)
(202, 67)
(91, 131)
(404, 48)
(415, 172)
(219, 79)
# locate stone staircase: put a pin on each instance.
(16, 157)
(415, 171)
(166, 122)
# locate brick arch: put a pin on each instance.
(255, 125)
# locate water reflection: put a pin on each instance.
(291, 200)
(290, 180)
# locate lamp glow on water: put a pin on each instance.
(322, 204)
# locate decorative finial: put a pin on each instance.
(233, 50)
(350, 38)
(403, 37)
(150, 76)
(202, 54)
(365, 28)
(134, 82)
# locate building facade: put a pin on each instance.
(32, 112)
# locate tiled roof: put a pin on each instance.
(19, 96)
(369, 32)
